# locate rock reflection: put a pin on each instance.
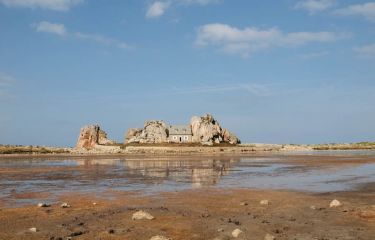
(197, 172)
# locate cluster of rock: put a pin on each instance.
(205, 130)
(153, 132)
(91, 136)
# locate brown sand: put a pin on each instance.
(197, 214)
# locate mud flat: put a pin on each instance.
(190, 197)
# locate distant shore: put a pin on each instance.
(178, 149)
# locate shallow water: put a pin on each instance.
(335, 171)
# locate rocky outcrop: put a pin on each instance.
(153, 132)
(207, 130)
(91, 136)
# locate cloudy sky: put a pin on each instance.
(286, 71)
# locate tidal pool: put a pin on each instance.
(25, 180)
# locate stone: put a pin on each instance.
(207, 130)
(65, 205)
(154, 131)
(90, 136)
(220, 230)
(229, 137)
(244, 204)
(312, 207)
(269, 237)
(159, 237)
(133, 135)
(33, 229)
(236, 233)
(264, 202)
(43, 205)
(139, 215)
(334, 203)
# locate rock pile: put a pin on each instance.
(205, 130)
(91, 136)
(153, 132)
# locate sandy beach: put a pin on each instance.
(197, 201)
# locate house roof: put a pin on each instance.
(180, 130)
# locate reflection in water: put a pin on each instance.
(150, 175)
(198, 172)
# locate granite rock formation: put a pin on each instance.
(207, 130)
(153, 132)
(91, 136)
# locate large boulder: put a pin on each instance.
(207, 130)
(133, 135)
(90, 136)
(153, 132)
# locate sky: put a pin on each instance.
(285, 71)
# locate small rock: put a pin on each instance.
(244, 204)
(33, 229)
(65, 205)
(335, 203)
(264, 202)
(313, 207)
(220, 230)
(94, 203)
(158, 237)
(142, 215)
(236, 233)
(269, 237)
(43, 205)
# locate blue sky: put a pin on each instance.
(287, 71)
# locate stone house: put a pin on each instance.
(180, 134)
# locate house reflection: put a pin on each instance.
(198, 172)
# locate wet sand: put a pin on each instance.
(193, 213)
(197, 214)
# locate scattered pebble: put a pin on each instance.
(313, 207)
(220, 230)
(158, 237)
(43, 205)
(264, 202)
(269, 237)
(65, 205)
(236, 233)
(33, 229)
(335, 203)
(94, 203)
(142, 215)
(244, 204)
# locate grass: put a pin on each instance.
(18, 149)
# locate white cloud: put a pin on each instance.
(57, 5)
(313, 6)
(366, 51)
(248, 40)
(59, 29)
(199, 2)
(366, 10)
(157, 9)
(102, 39)
(48, 27)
